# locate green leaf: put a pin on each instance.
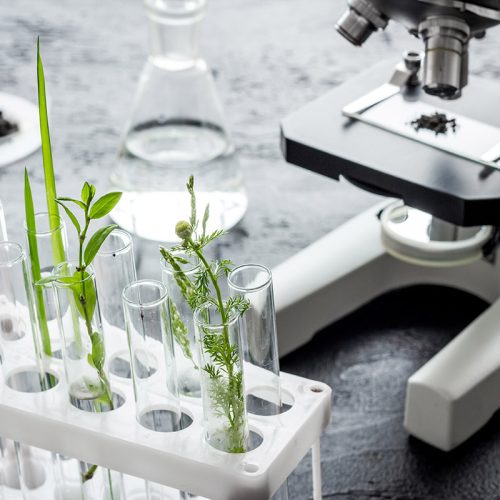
(78, 202)
(206, 215)
(182, 280)
(96, 241)
(45, 281)
(180, 331)
(90, 360)
(71, 215)
(192, 219)
(28, 204)
(48, 167)
(86, 193)
(68, 280)
(104, 205)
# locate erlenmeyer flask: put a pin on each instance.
(176, 129)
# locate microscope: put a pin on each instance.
(426, 136)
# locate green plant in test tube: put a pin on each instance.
(226, 387)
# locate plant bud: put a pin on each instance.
(183, 230)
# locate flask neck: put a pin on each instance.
(174, 32)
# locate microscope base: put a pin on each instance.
(455, 393)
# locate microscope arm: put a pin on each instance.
(349, 267)
(456, 392)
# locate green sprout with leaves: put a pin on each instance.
(83, 288)
(226, 378)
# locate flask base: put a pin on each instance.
(153, 215)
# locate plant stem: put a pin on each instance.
(90, 473)
(88, 323)
(213, 279)
(215, 284)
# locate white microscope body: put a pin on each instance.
(455, 393)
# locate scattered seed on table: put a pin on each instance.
(7, 127)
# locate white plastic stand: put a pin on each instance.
(454, 394)
(178, 459)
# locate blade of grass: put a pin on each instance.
(58, 252)
(35, 265)
(48, 167)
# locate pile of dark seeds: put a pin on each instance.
(7, 127)
(437, 123)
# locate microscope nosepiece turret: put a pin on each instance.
(445, 27)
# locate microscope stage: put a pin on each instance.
(467, 193)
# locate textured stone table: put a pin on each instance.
(269, 57)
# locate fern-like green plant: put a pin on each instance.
(226, 379)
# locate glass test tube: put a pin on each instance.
(114, 267)
(260, 345)
(3, 225)
(19, 347)
(40, 245)
(222, 383)
(17, 322)
(151, 352)
(147, 321)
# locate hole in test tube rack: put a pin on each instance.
(255, 439)
(260, 402)
(57, 354)
(164, 420)
(119, 365)
(31, 381)
(96, 404)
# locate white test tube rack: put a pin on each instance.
(182, 459)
